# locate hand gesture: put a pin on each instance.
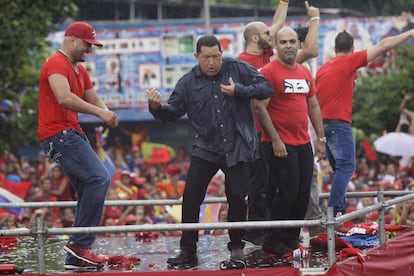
(154, 98)
(110, 118)
(228, 89)
(311, 11)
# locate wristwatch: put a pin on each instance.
(322, 139)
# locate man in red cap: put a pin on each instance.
(83, 31)
(65, 89)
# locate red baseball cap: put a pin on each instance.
(83, 31)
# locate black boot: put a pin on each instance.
(277, 248)
(254, 238)
(292, 243)
(184, 258)
(237, 254)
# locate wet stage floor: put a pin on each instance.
(153, 254)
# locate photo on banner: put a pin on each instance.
(149, 75)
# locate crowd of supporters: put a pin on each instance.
(138, 179)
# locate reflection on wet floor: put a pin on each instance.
(153, 254)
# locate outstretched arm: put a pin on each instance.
(403, 107)
(279, 18)
(310, 45)
(387, 44)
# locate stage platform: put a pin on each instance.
(152, 255)
(394, 258)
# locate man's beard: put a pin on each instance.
(264, 44)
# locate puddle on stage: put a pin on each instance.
(152, 253)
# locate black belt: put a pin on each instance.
(329, 121)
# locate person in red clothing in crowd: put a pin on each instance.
(67, 216)
(140, 193)
(114, 213)
(335, 81)
(61, 188)
(42, 194)
(125, 187)
(286, 141)
(404, 179)
(8, 221)
(138, 136)
(120, 167)
(259, 51)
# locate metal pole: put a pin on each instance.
(131, 10)
(159, 12)
(40, 236)
(330, 229)
(381, 220)
(207, 17)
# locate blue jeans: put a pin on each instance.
(89, 178)
(340, 151)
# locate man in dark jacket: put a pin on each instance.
(216, 95)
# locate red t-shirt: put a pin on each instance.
(53, 118)
(257, 61)
(288, 107)
(335, 81)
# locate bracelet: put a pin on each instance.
(284, 2)
(315, 18)
(322, 139)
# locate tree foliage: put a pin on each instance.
(24, 26)
(377, 98)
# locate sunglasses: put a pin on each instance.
(266, 33)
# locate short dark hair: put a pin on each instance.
(208, 41)
(344, 42)
(302, 32)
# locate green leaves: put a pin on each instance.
(24, 26)
(377, 98)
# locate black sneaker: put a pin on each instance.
(183, 259)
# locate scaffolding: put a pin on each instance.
(40, 231)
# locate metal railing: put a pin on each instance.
(329, 222)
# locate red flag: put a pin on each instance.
(13, 192)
